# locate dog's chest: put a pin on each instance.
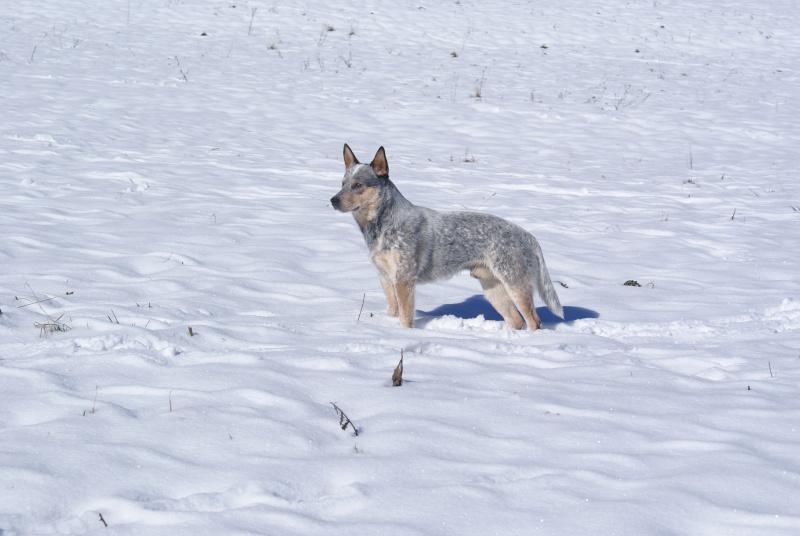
(381, 239)
(390, 252)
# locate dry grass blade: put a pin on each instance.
(362, 307)
(52, 324)
(46, 328)
(38, 301)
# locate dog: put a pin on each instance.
(410, 245)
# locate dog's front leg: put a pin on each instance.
(405, 301)
(391, 295)
(398, 284)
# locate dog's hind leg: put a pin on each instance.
(522, 295)
(496, 293)
(523, 298)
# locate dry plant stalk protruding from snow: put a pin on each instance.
(397, 375)
(344, 420)
(53, 324)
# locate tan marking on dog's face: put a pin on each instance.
(368, 202)
(361, 188)
(358, 198)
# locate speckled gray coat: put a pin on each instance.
(410, 244)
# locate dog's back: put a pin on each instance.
(447, 243)
(450, 242)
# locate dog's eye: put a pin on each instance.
(356, 185)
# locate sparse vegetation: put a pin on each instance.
(479, 83)
(468, 158)
(52, 324)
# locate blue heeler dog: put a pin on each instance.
(410, 244)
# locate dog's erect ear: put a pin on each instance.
(349, 157)
(379, 164)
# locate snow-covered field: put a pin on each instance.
(167, 165)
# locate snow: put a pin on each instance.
(168, 164)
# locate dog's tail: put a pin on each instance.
(544, 286)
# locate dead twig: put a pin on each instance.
(38, 301)
(46, 328)
(252, 16)
(344, 420)
(362, 307)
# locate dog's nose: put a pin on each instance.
(335, 201)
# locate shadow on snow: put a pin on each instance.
(478, 305)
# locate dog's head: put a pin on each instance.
(362, 185)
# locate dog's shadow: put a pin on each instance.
(478, 305)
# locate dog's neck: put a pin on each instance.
(383, 217)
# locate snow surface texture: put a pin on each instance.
(167, 164)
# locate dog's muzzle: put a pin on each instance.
(336, 201)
